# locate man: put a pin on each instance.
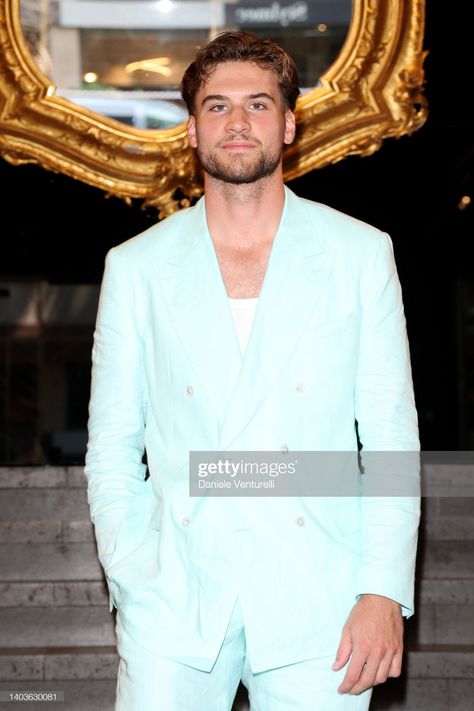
(253, 321)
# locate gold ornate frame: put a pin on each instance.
(371, 92)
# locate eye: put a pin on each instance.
(218, 107)
(258, 105)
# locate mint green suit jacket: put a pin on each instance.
(168, 376)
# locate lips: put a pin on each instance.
(238, 144)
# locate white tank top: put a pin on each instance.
(243, 311)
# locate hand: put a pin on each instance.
(373, 639)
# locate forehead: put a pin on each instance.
(239, 78)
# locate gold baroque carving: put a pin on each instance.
(373, 91)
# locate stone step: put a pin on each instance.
(416, 695)
(44, 504)
(423, 695)
(452, 481)
(87, 678)
(42, 477)
(90, 624)
(59, 504)
(33, 531)
(36, 514)
(39, 606)
(46, 515)
(49, 561)
(83, 593)
(101, 662)
(448, 518)
(434, 678)
(441, 624)
(58, 663)
(54, 594)
(437, 507)
(440, 560)
(56, 626)
(443, 661)
(453, 485)
(444, 592)
(449, 528)
(85, 695)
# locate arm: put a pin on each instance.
(388, 430)
(114, 467)
(387, 420)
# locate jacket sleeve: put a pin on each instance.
(114, 468)
(388, 431)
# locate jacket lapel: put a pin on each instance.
(297, 271)
(198, 304)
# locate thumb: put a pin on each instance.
(343, 651)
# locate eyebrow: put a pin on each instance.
(221, 97)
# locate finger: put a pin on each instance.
(395, 668)
(354, 670)
(367, 677)
(343, 651)
(376, 671)
(383, 670)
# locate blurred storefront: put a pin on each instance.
(126, 59)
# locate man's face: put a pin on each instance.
(240, 124)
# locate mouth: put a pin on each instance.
(238, 146)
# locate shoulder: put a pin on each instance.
(157, 241)
(335, 229)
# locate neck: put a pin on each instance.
(244, 215)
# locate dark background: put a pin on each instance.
(59, 229)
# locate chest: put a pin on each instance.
(243, 271)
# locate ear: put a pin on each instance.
(192, 132)
(290, 127)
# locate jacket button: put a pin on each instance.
(299, 387)
(185, 522)
(300, 521)
(190, 390)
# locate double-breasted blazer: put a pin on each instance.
(328, 348)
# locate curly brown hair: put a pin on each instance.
(241, 47)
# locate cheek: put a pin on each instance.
(205, 136)
(269, 132)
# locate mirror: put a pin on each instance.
(128, 66)
(90, 87)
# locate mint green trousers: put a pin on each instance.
(152, 683)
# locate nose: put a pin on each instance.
(237, 121)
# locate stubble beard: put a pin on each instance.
(243, 168)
